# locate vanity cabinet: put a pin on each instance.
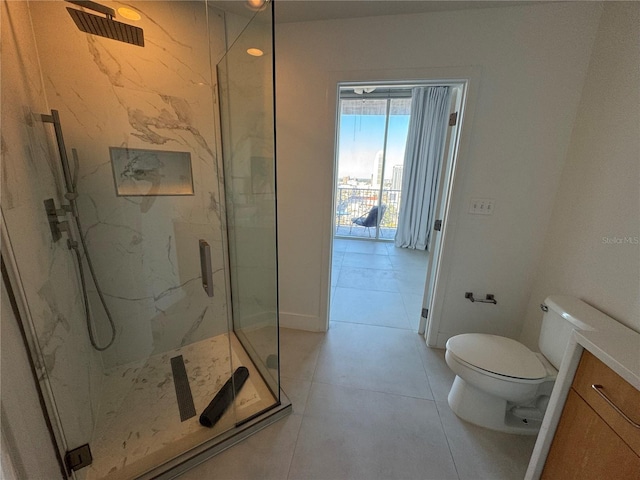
(594, 440)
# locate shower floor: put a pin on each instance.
(138, 425)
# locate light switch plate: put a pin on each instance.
(481, 206)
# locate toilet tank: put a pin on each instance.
(565, 314)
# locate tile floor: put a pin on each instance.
(369, 397)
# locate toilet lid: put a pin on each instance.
(495, 354)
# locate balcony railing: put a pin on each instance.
(354, 202)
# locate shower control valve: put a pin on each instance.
(61, 212)
(55, 225)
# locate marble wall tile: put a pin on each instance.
(70, 368)
(175, 40)
(159, 97)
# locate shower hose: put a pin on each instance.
(73, 245)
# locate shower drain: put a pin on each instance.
(183, 390)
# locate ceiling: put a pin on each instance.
(288, 11)
(308, 10)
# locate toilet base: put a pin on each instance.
(488, 411)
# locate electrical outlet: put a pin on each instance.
(481, 206)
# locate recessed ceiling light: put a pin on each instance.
(256, 52)
(129, 14)
(255, 4)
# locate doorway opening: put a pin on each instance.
(375, 278)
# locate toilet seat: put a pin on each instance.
(497, 356)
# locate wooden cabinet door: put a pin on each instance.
(586, 448)
(593, 372)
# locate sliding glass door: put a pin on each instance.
(372, 137)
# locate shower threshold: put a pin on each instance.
(138, 432)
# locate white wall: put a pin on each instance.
(599, 191)
(532, 62)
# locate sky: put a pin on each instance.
(362, 136)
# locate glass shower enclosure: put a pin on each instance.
(247, 110)
(139, 226)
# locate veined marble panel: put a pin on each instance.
(139, 424)
(176, 39)
(158, 97)
(47, 270)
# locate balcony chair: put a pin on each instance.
(369, 219)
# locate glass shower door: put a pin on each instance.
(145, 169)
(246, 92)
(137, 123)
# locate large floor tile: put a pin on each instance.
(364, 246)
(340, 244)
(368, 279)
(409, 252)
(366, 260)
(409, 281)
(265, 455)
(408, 262)
(297, 391)
(374, 358)
(480, 453)
(299, 353)
(369, 307)
(413, 306)
(353, 434)
(337, 257)
(438, 372)
(335, 274)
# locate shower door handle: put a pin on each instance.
(205, 267)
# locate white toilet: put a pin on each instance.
(502, 385)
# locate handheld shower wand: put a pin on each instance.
(70, 181)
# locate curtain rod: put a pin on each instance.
(380, 95)
(386, 90)
(403, 85)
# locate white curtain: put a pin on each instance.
(422, 162)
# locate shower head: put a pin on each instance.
(105, 26)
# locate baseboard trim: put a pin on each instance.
(296, 321)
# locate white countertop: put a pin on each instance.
(620, 351)
(618, 347)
